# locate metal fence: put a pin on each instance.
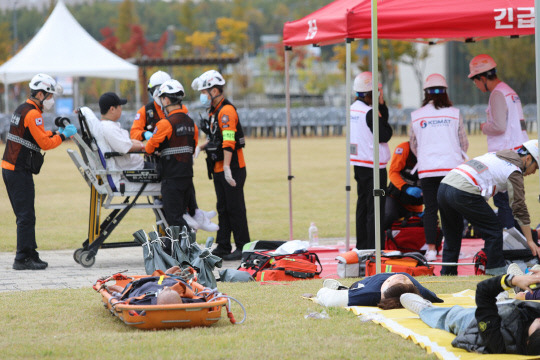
(309, 121)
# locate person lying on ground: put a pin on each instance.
(508, 327)
(382, 290)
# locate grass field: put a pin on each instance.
(73, 324)
(62, 197)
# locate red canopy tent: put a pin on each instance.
(430, 22)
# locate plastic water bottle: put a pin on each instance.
(313, 235)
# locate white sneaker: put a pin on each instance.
(192, 223)
(203, 222)
(332, 284)
(514, 269)
(535, 268)
(431, 255)
(414, 303)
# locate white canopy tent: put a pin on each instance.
(63, 48)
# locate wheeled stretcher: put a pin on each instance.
(90, 162)
(168, 316)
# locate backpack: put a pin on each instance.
(408, 236)
(263, 266)
(413, 263)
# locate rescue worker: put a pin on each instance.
(148, 115)
(175, 137)
(505, 125)
(23, 158)
(404, 192)
(362, 157)
(439, 141)
(225, 161)
(464, 192)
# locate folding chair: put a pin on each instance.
(104, 194)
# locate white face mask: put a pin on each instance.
(48, 104)
(158, 101)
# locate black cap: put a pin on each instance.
(109, 99)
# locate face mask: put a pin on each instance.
(205, 100)
(48, 104)
(158, 101)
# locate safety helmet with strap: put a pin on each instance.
(363, 82)
(156, 80)
(173, 90)
(46, 84)
(208, 80)
(435, 84)
(532, 148)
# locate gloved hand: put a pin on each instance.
(60, 130)
(197, 152)
(69, 131)
(228, 176)
(147, 135)
(414, 191)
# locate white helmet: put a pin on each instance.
(171, 87)
(207, 80)
(157, 78)
(363, 82)
(532, 148)
(435, 80)
(46, 83)
(480, 64)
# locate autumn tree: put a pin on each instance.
(233, 35)
(6, 42)
(202, 43)
(126, 17)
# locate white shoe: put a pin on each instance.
(414, 303)
(203, 222)
(431, 255)
(209, 214)
(514, 269)
(192, 223)
(332, 284)
(535, 268)
(503, 296)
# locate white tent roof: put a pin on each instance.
(63, 48)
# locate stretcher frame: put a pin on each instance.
(88, 162)
(158, 317)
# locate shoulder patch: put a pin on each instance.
(482, 326)
(138, 116)
(225, 119)
(399, 151)
(39, 121)
(226, 126)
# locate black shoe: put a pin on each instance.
(235, 255)
(221, 253)
(39, 261)
(28, 264)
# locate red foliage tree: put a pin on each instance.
(137, 45)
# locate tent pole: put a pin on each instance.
(537, 64)
(376, 176)
(137, 93)
(288, 49)
(6, 97)
(348, 137)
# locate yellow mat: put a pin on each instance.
(409, 326)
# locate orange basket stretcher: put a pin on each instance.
(156, 317)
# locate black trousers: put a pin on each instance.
(430, 187)
(21, 193)
(176, 193)
(231, 208)
(365, 207)
(393, 211)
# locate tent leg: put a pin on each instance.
(537, 64)
(6, 96)
(137, 93)
(377, 193)
(348, 144)
(288, 105)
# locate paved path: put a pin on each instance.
(63, 272)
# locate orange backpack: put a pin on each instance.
(411, 263)
(290, 267)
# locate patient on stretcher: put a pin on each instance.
(110, 137)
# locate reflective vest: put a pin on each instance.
(177, 152)
(19, 139)
(487, 172)
(214, 148)
(438, 149)
(362, 139)
(515, 133)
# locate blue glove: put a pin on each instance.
(60, 130)
(69, 131)
(414, 191)
(147, 135)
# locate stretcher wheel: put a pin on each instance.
(77, 255)
(86, 260)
